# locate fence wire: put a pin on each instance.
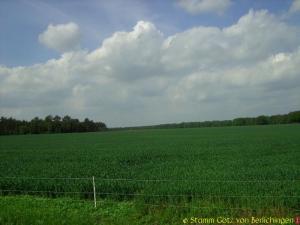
(150, 195)
(153, 180)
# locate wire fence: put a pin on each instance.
(94, 194)
(148, 195)
(153, 180)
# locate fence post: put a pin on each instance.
(94, 189)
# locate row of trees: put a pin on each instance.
(67, 124)
(292, 117)
(49, 124)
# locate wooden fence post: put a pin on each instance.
(94, 189)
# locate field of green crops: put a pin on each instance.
(254, 167)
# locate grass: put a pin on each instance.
(190, 158)
(28, 210)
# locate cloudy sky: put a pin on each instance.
(139, 62)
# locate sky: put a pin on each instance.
(140, 62)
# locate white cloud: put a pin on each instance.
(254, 37)
(204, 6)
(143, 77)
(61, 37)
(295, 7)
(139, 48)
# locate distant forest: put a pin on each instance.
(292, 117)
(49, 124)
(67, 124)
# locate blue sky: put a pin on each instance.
(139, 62)
(23, 20)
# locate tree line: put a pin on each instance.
(50, 124)
(66, 124)
(292, 117)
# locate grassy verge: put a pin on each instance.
(28, 210)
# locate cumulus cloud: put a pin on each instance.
(204, 6)
(142, 77)
(139, 48)
(246, 42)
(295, 7)
(61, 37)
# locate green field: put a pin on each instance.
(255, 167)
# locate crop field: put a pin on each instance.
(253, 167)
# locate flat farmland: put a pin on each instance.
(254, 167)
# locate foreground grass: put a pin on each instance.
(26, 210)
(29, 210)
